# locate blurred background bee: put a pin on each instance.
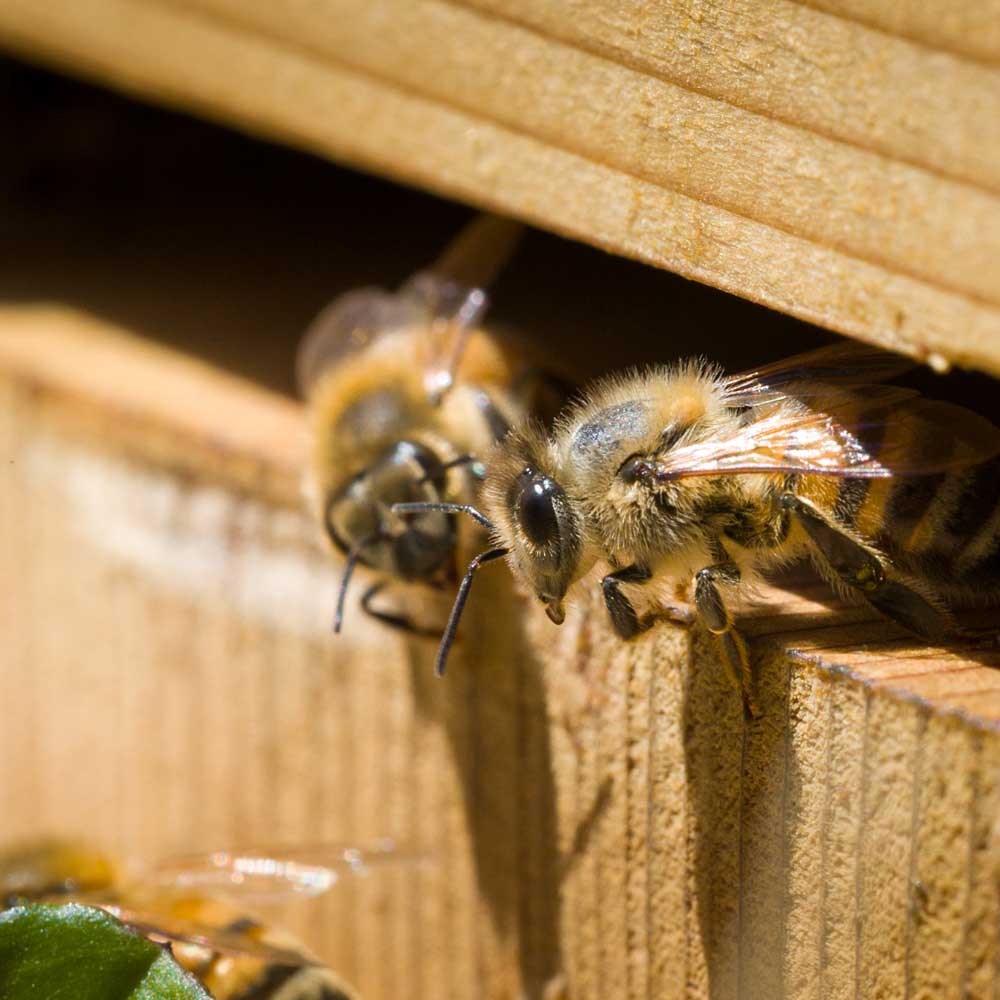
(681, 474)
(403, 390)
(189, 903)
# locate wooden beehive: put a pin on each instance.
(581, 817)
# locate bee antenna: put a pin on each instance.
(456, 612)
(446, 508)
(352, 560)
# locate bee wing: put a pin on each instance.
(154, 920)
(269, 874)
(53, 865)
(879, 432)
(450, 311)
(349, 324)
(452, 292)
(840, 366)
(446, 300)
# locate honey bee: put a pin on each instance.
(403, 390)
(178, 903)
(686, 475)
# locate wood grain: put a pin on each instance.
(825, 166)
(968, 27)
(592, 819)
(801, 67)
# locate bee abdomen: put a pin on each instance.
(976, 523)
(946, 527)
(280, 982)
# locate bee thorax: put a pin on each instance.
(631, 518)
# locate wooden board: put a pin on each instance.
(834, 163)
(582, 817)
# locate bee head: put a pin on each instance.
(532, 520)
(359, 516)
(536, 519)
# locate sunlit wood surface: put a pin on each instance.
(579, 817)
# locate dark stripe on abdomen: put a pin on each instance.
(976, 503)
(306, 982)
(272, 978)
(912, 496)
(851, 496)
(909, 500)
(975, 525)
(958, 544)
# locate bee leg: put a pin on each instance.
(913, 611)
(861, 569)
(623, 617)
(716, 618)
(401, 622)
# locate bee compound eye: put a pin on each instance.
(536, 513)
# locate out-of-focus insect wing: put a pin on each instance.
(876, 432)
(349, 324)
(445, 301)
(51, 867)
(439, 307)
(452, 292)
(842, 365)
(925, 436)
(265, 875)
(162, 920)
(449, 311)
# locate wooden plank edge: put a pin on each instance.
(163, 401)
(954, 26)
(980, 713)
(781, 76)
(787, 176)
(329, 110)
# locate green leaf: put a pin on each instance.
(76, 952)
(166, 980)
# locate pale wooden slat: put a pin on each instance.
(834, 244)
(877, 209)
(839, 842)
(106, 375)
(785, 61)
(940, 859)
(809, 711)
(979, 945)
(892, 749)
